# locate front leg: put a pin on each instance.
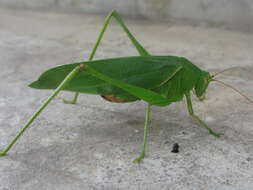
(195, 117)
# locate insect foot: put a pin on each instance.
(139, 158)
(215, 134)
(71, 101)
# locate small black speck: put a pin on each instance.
(175, 148)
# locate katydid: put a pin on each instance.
(157, 80)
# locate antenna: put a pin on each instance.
(229, 86)
(214, 75)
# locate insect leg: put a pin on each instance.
(73, 101)
(120, 21)
(146, 132)
(68, 78)
(142, 51)
(195, 117)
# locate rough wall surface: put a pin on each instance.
(231, 13)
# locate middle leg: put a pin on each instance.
(146, 132)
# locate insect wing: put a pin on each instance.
(144, 72)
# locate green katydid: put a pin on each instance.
(158, 80)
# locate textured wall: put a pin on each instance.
(232, 13)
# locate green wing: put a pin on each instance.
(183, 82)
(146, 72)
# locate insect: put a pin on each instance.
(157, 80)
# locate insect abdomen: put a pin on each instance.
(112, 98)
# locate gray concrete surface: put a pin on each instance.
(229, 13)
(91, 145)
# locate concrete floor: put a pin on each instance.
(91, 145)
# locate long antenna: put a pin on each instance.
(224, 71)
(229, 86)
